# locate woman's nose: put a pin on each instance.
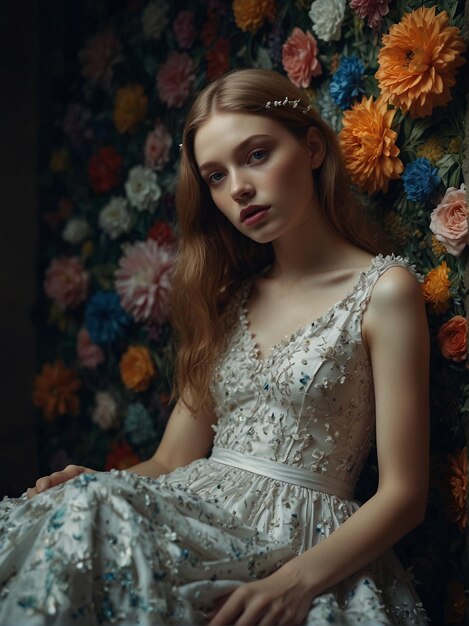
(241, 188)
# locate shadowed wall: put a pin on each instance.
(18, 199)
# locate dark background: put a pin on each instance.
(23, 99)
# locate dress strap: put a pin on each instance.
(379, 265)
(282, 471)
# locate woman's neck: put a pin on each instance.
(314, 247)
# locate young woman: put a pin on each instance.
(297, 346)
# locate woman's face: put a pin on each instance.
(259, 175)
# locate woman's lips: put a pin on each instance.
(253, 214)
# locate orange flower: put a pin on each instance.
(130, 107)
(121, 457)
(436, 288)
(136, 368)
(457, 480)
(54, 391)
(250, 14)
(418, 61)
(452, 338)
(369, 146)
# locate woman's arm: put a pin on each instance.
(186, 438)
(395, 331)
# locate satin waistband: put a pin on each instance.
(282, 471)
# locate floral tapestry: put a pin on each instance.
(389, 77)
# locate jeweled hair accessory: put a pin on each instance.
(286, 102)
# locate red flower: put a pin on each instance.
(184, 29)
(210, 28)
(64, 211)
(121, 457)
(162, 233)
(104, 169)
(218, 59)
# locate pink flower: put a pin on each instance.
(143, 280)
(157, 146)
(66, 282)
(299, 57)
(175, 79)
(449, 220)
(374, 10)
(184, 29)
(99, 56)
(89, 354)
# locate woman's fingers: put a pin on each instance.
(43, 483)
(56, 478)
(31, 492)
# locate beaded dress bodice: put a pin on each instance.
(310, 403)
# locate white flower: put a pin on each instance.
(154, 19)
(142, 188)
(105, 411)
(115, 218)
(327, 17)
(76, 230)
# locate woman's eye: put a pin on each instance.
(257, 155)
(215, 178)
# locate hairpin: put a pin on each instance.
(293, 103)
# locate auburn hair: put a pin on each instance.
(214, 257)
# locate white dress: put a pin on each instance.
(292, 434)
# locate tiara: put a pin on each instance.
(286, 102)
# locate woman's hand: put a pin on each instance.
(46, 482)
(281, 598)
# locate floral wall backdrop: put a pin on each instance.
(388, 76)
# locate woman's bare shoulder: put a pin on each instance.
(397, 286)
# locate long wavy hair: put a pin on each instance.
(214, 257)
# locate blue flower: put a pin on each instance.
(347, 82)
(328, 109)
(420, 179)
(105, 319)
(138, 424)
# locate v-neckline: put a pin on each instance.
(289, 339)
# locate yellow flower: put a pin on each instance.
(454, 145)
(55, 391)
(335, 62)
(368, 144)
(432, 149)
(250, 14)
(436, 288)
(130, 107)
(418, 61)
(136, 368)
(87, 250)
(437, 247)
(60, 160)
